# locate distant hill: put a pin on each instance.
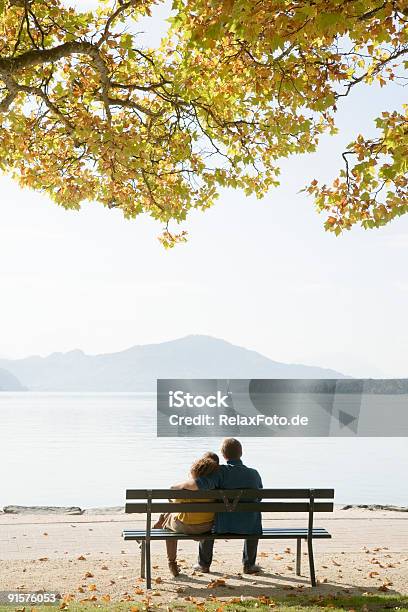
(8, 382)
(137, 368)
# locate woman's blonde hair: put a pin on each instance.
(203, 467)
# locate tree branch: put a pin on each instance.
(7, 101)
(123, 6)
(131, 104)
(38, 57)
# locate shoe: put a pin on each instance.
(199, 568)
(251, 569)
(174, 568)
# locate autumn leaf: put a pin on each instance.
(68, 597)
(88, 575)
(217, 582)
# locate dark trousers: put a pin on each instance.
(205, 552)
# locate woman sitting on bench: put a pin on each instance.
(191, 523)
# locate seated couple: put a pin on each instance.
(207, 473)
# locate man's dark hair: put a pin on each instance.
(213, 456)
(231, 448)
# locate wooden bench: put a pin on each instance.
(237, 500)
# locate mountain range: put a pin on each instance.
(137, 368)
(8, 382)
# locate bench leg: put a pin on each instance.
(311, 561)
(143, 559)
(148, 566)
(298, 556)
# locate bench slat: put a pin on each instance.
(230, 493)
(141, 508)
(268, 533)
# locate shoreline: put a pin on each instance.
(14, 509)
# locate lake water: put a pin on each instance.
(86, 449)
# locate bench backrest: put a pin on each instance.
(229, 500)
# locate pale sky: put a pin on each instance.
(261, 274)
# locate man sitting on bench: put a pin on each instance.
(233, 475)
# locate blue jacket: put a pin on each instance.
(234, 475)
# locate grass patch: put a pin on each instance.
(297, 603)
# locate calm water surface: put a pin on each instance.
(86, 449)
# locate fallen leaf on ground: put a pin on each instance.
(88, 575)
(68, 597)
(216, 583)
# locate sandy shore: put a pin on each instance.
(84, 555)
